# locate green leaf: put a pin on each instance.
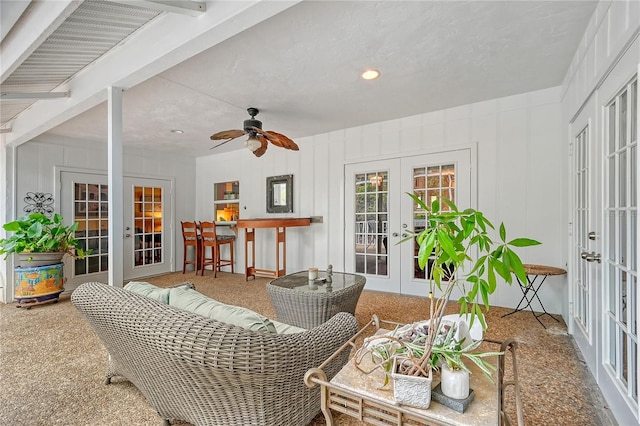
(447, 245)
(500, 268)
(478, 264)
(451, 204)
(418, 201)
(435, 206)
(474, 291)
(491, 276)
(517, 266)
(523, 242)
(35, 230)
(11, 226)
(469, 227)
(503, 232)
(485, 295)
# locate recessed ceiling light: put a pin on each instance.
(371, 74)
(178, 131)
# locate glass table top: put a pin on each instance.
(299, 281)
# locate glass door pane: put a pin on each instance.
(582, 298)
(148, 241)
(91, 215)
(429, 184)
(620, 346)
(371, 223)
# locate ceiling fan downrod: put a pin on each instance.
(252, 122)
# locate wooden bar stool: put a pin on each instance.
(190, 238)
(211, 239)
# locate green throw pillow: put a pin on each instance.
(149, 290)
(198, 303)
(282, 328)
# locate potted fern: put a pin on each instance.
(459, 254)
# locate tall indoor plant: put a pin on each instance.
(460, 254)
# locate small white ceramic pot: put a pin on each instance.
(454, 383)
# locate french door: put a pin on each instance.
(148, 244)
(604, 255)
(147, 227)
(585, 273)
(620, 313)
(379, 214)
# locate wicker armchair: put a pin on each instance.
(207, 372)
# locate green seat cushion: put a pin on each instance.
(149, 290)
(282, 328)
(193, 301)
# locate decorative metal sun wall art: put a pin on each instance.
(39, 202)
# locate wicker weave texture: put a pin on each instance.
(207, 372)
(308, 310)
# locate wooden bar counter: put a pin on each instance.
(280, 225)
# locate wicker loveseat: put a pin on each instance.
(207, 372)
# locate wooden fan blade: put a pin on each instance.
(278, 139)
(227, 134)
(264, 134)
(263, 148)
(285, 141)
(220, 144)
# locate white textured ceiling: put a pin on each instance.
(302, 68)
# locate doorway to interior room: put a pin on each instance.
(379, 214)
(148, 246)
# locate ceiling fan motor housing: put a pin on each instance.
(252, 122)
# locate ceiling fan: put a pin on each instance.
(258, 138)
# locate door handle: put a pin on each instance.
(591, 257)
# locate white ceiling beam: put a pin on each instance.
(5, 96)
(166, 42)
(39, 22)
(11, 12)
(190, 8)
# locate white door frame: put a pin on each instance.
(587, 338)
(170, 237)
(400, 285)
(462, 160)
(624, 409)
(391, 281)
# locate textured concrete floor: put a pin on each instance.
(52, 365)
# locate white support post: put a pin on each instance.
(7, 214)
(115, 180)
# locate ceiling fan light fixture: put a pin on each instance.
(370, 74)
(252, 142)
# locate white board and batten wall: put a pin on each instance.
(520, 178)
(38, 163)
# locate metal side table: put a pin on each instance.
(536, 276)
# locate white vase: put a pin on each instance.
(454, 383)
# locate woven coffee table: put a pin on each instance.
(299, 303)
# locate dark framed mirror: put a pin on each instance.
(280, 194)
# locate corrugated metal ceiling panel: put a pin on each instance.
(93, 29)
